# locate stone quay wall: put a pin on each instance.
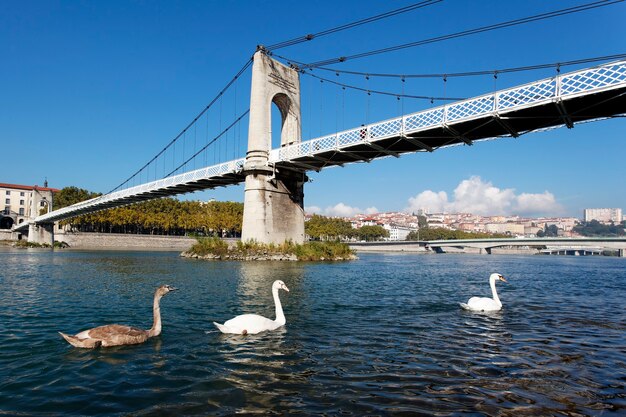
(115, 241)
(7, 235)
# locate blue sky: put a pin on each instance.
(90, 91)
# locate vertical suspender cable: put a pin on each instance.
(184, 139)
(367, 104)
(343, 108)
(321, 115)
(402, 100)
(337, 109)
(206, 152)
(219, 142)
(235, 139)
(310, 128)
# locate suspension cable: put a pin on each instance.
(351, 25)
(222, 133)
(386, 93)
(208, 106)
(515, 22)
(557, 65)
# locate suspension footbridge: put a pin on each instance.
(564, 100)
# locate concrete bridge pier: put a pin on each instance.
(42, 233)
(274, 199)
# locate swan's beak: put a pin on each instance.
(284, 287)
(172, 288)
(502, 279)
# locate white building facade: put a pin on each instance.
(505, 228)
(604, 215)
(397, 232)
(22, 202)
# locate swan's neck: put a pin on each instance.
(156, 311)
(492, 282)
(280, 316)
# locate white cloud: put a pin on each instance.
(430, 200)
(340, 210)
(480, 197)
(537, 204)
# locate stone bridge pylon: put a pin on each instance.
(274, 199)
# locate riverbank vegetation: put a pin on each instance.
(439, 233)
(218, 249)
(26, 244)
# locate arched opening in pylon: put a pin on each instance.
(283, 121)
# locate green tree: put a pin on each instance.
(72, 195)
(422, 222)
(328, 228)
(159, 216)
(414, 235)
(549, 231)
(595, 228)
(372, 233)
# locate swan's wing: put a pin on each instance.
(113, 330)
(81, 343)
(483, 304)
(250, 324)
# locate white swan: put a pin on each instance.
(253, 323)
(485, 303)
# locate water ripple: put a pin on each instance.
(380, 336)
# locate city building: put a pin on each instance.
(21, 202)
(513, 229)
(397, 232)
(603, 215)
(400, 224)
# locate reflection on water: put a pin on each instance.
(254, 287)
(380, 336)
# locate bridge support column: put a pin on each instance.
(274, 199)
(621, 253)
(42, 233)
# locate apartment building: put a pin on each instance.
(21, 202)
(604, 215)
(397, 232)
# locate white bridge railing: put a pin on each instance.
(569, 85)
(215, 171)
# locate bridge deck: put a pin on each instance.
(221, 175)
(564, 100)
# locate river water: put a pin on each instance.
(383, 335)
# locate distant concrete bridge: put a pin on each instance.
(541, 244)
(485, 246)
(274, 196)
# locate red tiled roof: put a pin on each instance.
(28, 187)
